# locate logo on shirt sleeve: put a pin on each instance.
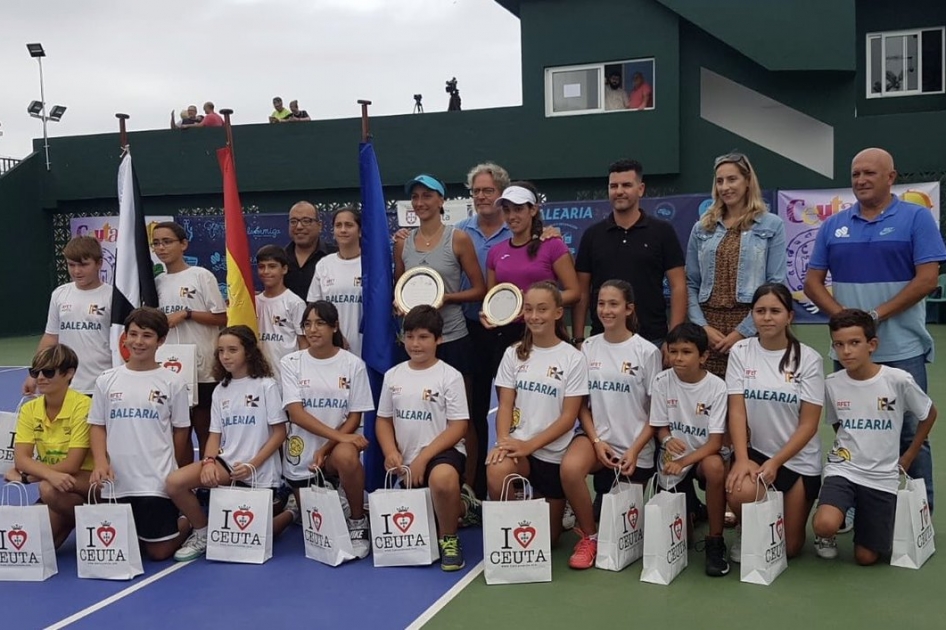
(555, 372)
(251, 401)
(430, 395)
(156, 396)
(886, 404)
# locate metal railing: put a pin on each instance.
(7, 163)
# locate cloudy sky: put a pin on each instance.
(148, 58)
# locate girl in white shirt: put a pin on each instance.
(776, 391)
(616, 437)
(542, 381)
(247, 427)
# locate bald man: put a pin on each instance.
(306, 248)
(883, 254)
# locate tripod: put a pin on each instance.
(418, 107)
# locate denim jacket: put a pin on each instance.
(762, 259)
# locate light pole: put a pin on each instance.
(37, 109)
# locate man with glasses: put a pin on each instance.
(306, 248)
(883, 255)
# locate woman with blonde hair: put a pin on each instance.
(736, 247)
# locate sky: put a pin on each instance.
(148, 58)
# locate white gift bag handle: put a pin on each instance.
(390, 477)
(93, 499)
(507, 484)
(759, 481)
(234, 482)
(4, 495)
(319, 476)
(903, 478)
(650, 487)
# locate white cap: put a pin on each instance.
(517, 195)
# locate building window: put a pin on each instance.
(600, 87)
(906, 63)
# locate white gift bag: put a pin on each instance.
(8, 435)
(324, 528)
(665, 537)
(106, 540)
(240, 524)
(913, 542)
(621, 528)
(403, 527)
(763, 538)
(517, 541)
(27, 550)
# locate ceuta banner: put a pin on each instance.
(803, 212)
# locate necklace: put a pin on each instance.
(352, 257)
(429, 239)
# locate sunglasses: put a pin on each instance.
(731, 158)
(47, 372)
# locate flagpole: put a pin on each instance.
(122, 132)
(226, 125)
(365, 129)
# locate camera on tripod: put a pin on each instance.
(454, 95)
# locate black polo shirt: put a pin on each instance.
(640, 255)
(299, 278)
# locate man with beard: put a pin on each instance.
(306, 247)
(614, 95)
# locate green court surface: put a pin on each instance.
(811, 594)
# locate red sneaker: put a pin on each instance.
(584, 555)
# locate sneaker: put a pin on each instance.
(568, 518)
(716, 564)
(360, 535)
(848, 521)
(472, 507)
(194, 547)
(293, 506)
(729, 519)
(735, 550)
(346, 507)
(826, 548)
(583, 557)
(451, 554)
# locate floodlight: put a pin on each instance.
(35, 108)
(55, 114)
(36, 50)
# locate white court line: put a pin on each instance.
(12, 368)
(438, 605)
(85, 612)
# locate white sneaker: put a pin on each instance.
(826, 548)
(194, 547)
(360, 535)
(568, 518)
(293, 506)
(735, 549)
(848, 521)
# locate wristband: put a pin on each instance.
(207, 460)
(664, 441)
(597, 440)
(188, 313)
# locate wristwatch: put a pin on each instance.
(24, 478)
(664, 441)
(577, 340)
(874, 315)
(188, 313)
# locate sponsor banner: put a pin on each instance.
(105, 230)
(454, 210)
(803, 212)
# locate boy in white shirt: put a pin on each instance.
(865, 403)
(278, 310)
(80, 314)
(139, 428)
(422, 418)
(688, 411)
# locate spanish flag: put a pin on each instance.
(241, 308)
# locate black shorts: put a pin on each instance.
(205, 392)
(875, 514)
(785, 478)
(451, 457)
(457, 354)
(604, 478)
(296, 484)
(155, 518)
(546, 478)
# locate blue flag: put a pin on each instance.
(377, 285)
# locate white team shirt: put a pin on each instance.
(194, 288)
(870, 413)
(138, 411)
(773, 399)
(620, 376)
(242, 413)
(328, 389)
(421, 403)
(542, 382)
(692, 411)
(339, 282)
(280, 326)
(81, 320)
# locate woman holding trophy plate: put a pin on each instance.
(428, 265)
(514, 265)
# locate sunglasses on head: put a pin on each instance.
(47, 372)
(731, 158)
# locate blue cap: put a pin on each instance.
(426, 181)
